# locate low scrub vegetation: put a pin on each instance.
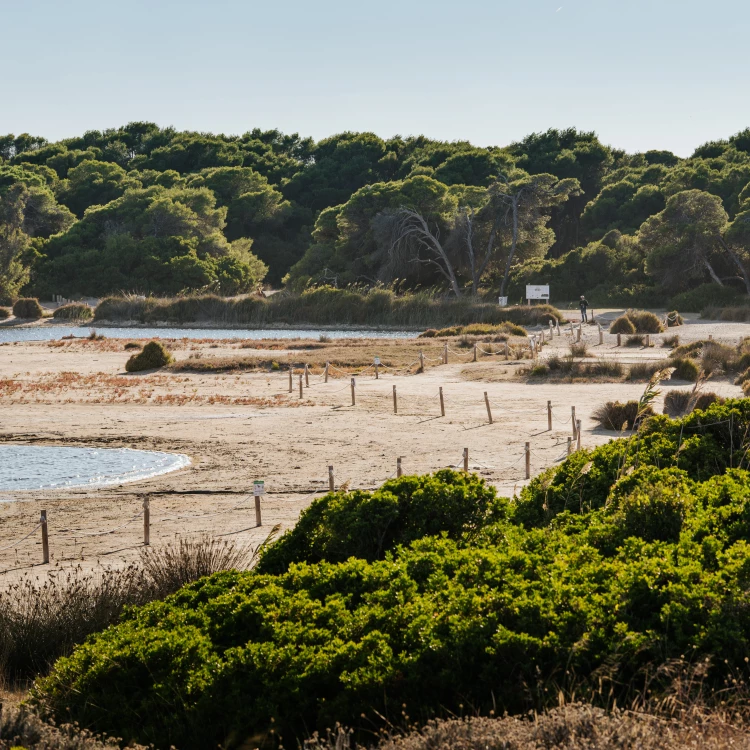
(74, 311)
(679, 403)
(28, 308)
(503, 330)
(41, 622)
(623, 324)
(739, 314)
(618, 416)
(4, 313)
(637, 321)
(153, 356)
(674, 319)
(606, 570)
(635, 341)
(684, 369)
(325, 306)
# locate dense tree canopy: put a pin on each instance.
(321, 212)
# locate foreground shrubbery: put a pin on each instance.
(324, 306)
(637, 321)
(153, 356)
(609, 566)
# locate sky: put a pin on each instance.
(643, 74)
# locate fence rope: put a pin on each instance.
(18, 541)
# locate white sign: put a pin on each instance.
(259, 487)
(502, 301)
(537, 291)
(377, 360)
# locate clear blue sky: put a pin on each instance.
(643, 74)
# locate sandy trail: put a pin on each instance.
(286, 441)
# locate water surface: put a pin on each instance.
(54, 332)
(32, 467)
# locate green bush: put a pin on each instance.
(74, 311)
(4, 313)
(368, 524)
(151, 357)
(684, 369)
(132, 345)
(623, 324)
(706, 295)
(28, 308)
(607, 568)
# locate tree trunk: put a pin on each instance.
(512, 251)
(712, 272)
(736, 258)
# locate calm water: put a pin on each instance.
(31, 467)
(52, 333)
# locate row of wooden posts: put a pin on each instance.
(331, 487)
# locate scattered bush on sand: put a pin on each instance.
(643, 371)
(679, 403)
(644, 321)
(684, 369)
(132, 345)
(4, 313)
(153, 356)
(74, 311)
(674, 319)
(623, 324)
(618, 416)
(28, 308)
(579, 349)
(671, 342)
(635, 341)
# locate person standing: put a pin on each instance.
(584, 305)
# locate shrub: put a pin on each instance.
(671, 342)
(578, 349)
(705, 400)
(717, 357)
(704, 296)
(151, 357)
(684, 369)
(603, 368)
(678, 403)
(74, 311)
(4, 313)
(674, 319)
(617, 416)
(28, 308)
(539, 371)
(644, 321)
(643, 371)
(623, 324)
(368, 524)
(132, 345)
(635, 341)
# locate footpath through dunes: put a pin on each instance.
(240, 426)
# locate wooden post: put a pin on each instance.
(549, 416)
(376, 371)
(601, 335)
(300, 385)
(331, 485)
(290, 379)
(258, 520)
(475, 352)
(399, 470)
(45, 538)
(395, 401)
(648, 340)
(619, 339)
(354, 399)
(146, 521)
(528, 461)
(487, 404)
(466, 459)
(307, 377)
(506, 349)
(573, 419)
(326, 380)
(578, 334)
(578, 434)
(557, 326)
(442, 403)
(445, 354)
(570, 445)
(421, 362)
(710, 337)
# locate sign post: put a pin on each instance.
(259, 489)
(537, 291)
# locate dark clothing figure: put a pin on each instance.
(583, 304)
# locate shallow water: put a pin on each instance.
(32, 467)
(54, 332)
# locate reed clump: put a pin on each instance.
(28, 308)
(74, 311)
(153, 356)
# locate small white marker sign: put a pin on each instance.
(377, 360)
(259, 487)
